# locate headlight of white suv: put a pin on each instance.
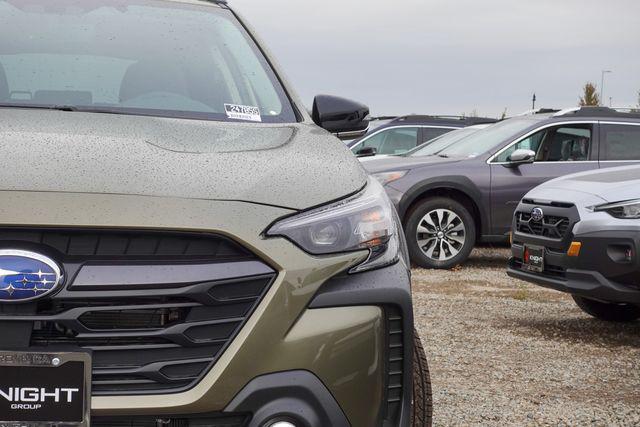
(629, 209)
(365, 221)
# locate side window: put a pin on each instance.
(431, 133)
(566, 144)
(373, 141)
(555, 144)
(620, 142)
(530, 143)
(399, 140)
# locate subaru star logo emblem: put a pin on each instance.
(25, 276)
(537, 214)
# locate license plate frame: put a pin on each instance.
(533, 258)
(65, 376)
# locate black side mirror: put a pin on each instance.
(366, 152)
(343, 117)
(521, 156)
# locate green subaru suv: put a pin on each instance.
(181, 243)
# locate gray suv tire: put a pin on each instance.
(440, 233)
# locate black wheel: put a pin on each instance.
(422, 407)
(440, 233)
(608, 311)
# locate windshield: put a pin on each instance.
(436, 145)
(148, 57)
(486, 139)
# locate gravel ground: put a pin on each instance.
(504, 352)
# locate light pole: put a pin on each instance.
(602, 86)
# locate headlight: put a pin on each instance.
(385, 178)
(623, 210)
(366, 221)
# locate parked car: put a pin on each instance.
(468, 192)
(433, 146)
(581, 234)
(406, 133)
(374, 123)
(167, 256)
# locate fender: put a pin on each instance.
(454, 182)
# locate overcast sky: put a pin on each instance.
(453, 56)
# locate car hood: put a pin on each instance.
(609, 185)
(376, 157)
(294, 166)
(401, 163)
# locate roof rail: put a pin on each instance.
(589, 111)
(566, 111)
(538, 111)
(627, 109)
(431, 116)
(424, 117)
(371, 119)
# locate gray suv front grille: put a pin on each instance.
(154, 319)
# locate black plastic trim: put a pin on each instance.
(589, 284)
(298, 396)
(453, 182)
(191, 420)
(99, 277)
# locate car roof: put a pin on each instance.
(592, 113)
(458, 121)
(211, 2)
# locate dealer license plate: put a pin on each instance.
(44, 389)
(534, 258)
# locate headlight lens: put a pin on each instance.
(385, 178)
(624, 210)
(366, 221)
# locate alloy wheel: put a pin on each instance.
(441, 234)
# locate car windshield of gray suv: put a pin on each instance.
(486, 139)
(144, 57)
(438, 144)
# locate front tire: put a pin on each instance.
(608, 311)
(422, 405)
(440, 233)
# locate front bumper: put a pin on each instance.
(314, 324)
(602, 271)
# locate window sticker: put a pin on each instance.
(243, 112)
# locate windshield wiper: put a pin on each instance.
(64, 107)
(40, 107)
(444, 156)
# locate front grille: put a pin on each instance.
(232, 420)
(553, 227)
(395, 364)
(117, 244)
(148, 332)
(547, 203)
(139, 345)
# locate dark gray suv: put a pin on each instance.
(467, 193)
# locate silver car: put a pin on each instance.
(581, 234)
